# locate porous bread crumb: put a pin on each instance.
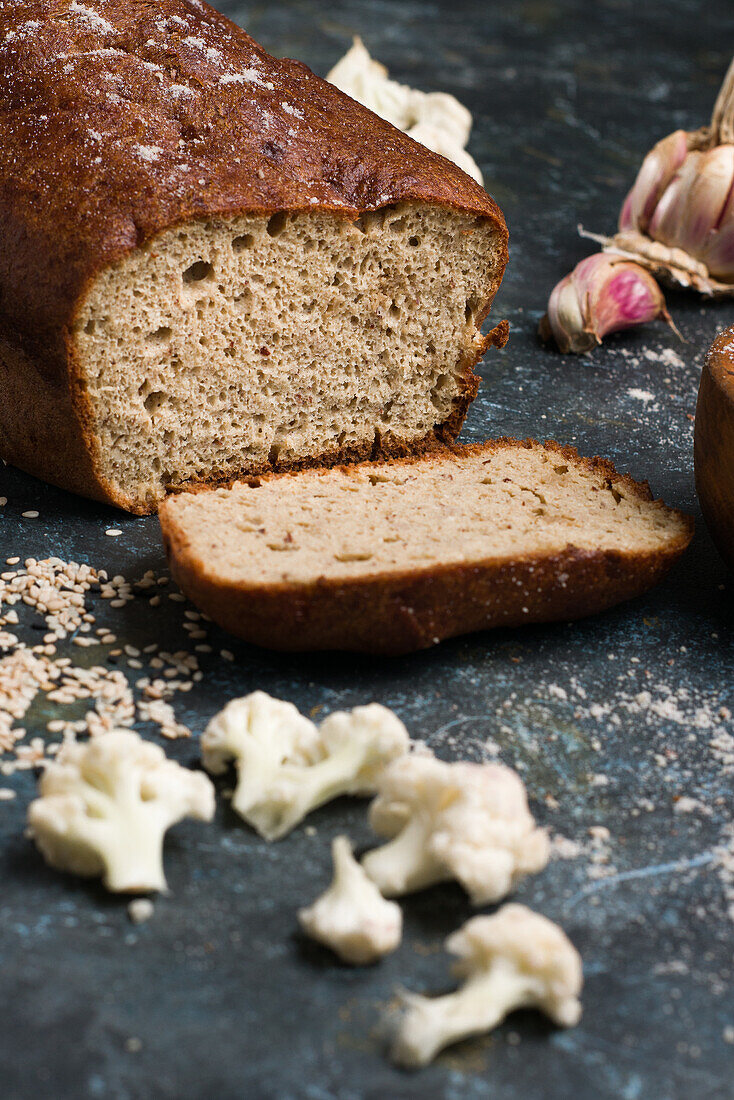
(380, 316)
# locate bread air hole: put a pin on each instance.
(160, 336)
(243, 242)
(277, 224)
(154, 401)
(198, 272)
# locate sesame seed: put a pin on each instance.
(113, 531)
(177, 597)
(31, 514)
(226, 654)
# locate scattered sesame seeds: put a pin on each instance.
(30, 514)
(113, 532)
(100, 697)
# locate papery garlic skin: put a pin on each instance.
(602, 294)
(435, 119)
(678, 218)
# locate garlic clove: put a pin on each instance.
(665, 224)
(603, 294)
(564, 322)
(657, 171)
(707, 199)
(718, 255)
(691, 208)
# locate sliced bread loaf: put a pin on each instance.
(392, 557)
(214, 263)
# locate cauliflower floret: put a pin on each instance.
(105, 806)
(260, 734)
(435, 119)
(469, 822)
(514, 959)
(287, 768)
(352, 917)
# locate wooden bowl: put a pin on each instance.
(714, 443)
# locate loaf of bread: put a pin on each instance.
(714, 443)
(213, 263)
(392, 557)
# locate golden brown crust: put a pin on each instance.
(122, 118)
(398, 613)
(714, 443)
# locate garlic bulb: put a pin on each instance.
(602, 294)
(435, 119)
(678, 219)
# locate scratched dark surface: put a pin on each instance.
(218, 994)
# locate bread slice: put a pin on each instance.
(393, 557)
(213, 263)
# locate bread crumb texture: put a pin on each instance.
(226, 347)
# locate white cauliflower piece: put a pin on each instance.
(287, 767)
(513, 959)
(352, 917)
(260, 734)
(468, 822)
(435, 119)
(105, 806)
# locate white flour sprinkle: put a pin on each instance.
(91, 18)
(148, 152)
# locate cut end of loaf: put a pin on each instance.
(391, 557)
(235, 346)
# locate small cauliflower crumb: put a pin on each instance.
(352, 917)
(140, 910)
(514, 959)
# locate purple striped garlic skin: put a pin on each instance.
(604, 293)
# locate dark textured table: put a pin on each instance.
(611, 720)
